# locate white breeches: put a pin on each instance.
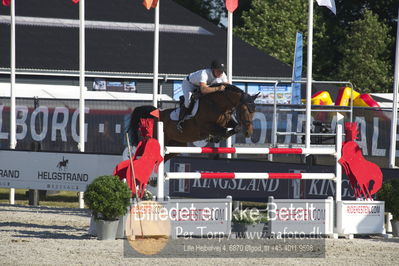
(187, 89)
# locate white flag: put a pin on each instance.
(330, 4)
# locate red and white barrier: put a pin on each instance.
(242, 150)
(337, 176)
(196, 175)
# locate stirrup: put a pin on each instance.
(179, 125)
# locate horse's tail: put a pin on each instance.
(139, 112)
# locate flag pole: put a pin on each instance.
(13, 139)
(82, 84)
(229, 61)
(309, 75)
(156, 57)
(394, 121)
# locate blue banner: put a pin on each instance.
(297, 69)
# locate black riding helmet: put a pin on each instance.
(216, 64)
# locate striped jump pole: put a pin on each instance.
(337, 176)
(199, 175)
(244, 150)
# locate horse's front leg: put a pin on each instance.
(217, 133)
(231, 124)
(235, 128)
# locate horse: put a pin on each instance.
(212, 120)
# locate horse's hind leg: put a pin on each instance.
(172, 143)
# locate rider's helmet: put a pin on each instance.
(217, 65)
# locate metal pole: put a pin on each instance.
(13, 140)
(274, 124)
(229, 61)
(309, 75)
(34, 193)
(156, 57)
(338, 169)
(161, 171)
(394, 121)
(82, 85)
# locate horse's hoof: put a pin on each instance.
(214, 140)
(237, 129)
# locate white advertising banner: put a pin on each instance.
(301, 217)
(360, 217)
(53, 171)
(200, 217)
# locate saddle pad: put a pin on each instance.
(174, 115)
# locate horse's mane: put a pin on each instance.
(233, 88)
(229, 87)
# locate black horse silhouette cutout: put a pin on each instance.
(62, 165)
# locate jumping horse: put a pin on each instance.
(212, 120)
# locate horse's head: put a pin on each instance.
(244, 104)
(245, 113)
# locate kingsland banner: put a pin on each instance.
(54, 125)
(257, 190)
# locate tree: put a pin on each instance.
(212, 10)
(365, 59)
(272, 25)
(337, 28)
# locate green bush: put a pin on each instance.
(390, 194)
(249, 216)
(107, 197)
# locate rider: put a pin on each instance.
(201, 80)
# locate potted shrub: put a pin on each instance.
(390, 194)
(249, 220)
(108, 198)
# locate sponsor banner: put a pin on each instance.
(266, 93)
(360, 217)
(257, 190)
(301, 217)
(121, 86)
(53, 171)
(54, 126)
(199, 217)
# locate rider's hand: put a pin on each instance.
(221, 87)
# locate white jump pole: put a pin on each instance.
(13, 139)
(156, 57)
(338, 170)
(309, 75)
(161, 167)
(229, 61)
(82, 86)
(394, 121)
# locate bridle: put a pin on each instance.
(244, 100)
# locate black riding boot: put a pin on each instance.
(182, 114)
